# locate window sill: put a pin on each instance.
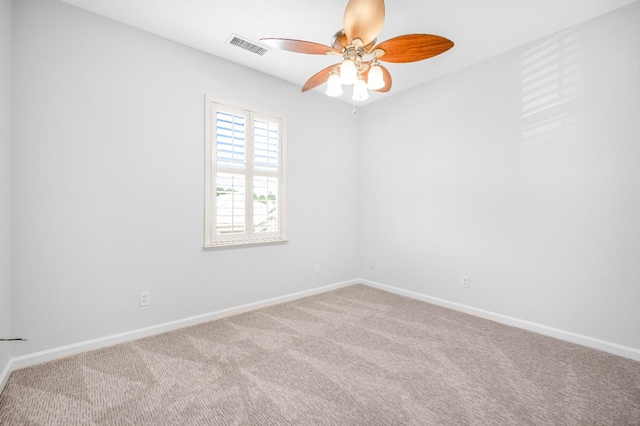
(241, 243)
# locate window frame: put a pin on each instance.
(211, 238)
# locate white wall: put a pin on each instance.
(540, 211)
(5, 179)
(522, 173)
(109, 181)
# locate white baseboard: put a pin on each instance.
(35, 358)
(613, 348)
(4, 376)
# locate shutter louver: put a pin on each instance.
(230, 140)
(266, 138)
(230, 204)
(265, 204)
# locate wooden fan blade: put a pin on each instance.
(318, 78)
(369, 47)
(299, 46)
(413, 47)
(340, 41)
(386, 76)
(363, 19)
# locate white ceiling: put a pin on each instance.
(479, 28)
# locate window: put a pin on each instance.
(245, 179)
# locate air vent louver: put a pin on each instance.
(247, 45)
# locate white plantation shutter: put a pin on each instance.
(245, 176)
(266, 137)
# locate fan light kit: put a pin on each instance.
(356, 44)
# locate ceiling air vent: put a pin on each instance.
(245, 44)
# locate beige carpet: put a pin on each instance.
(354, 356)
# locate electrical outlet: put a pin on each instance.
(372, 264)
(316, 268)
(465, 281)
(144, 298)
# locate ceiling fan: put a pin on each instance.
(361, 56)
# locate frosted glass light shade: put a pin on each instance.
(348, 73)
(360, 90)
(334, 88)
(376, 79)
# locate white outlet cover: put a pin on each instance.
(144, 298)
